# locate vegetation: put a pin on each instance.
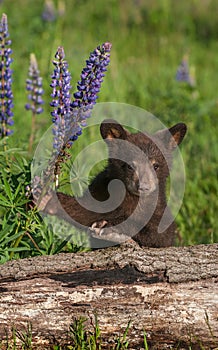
(150, 39)
(79, 337)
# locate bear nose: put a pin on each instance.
(146, 187)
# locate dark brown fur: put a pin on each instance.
(144, 198)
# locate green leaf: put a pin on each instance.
(4, 202)
(7, 187)
(19, 249)
(14, 237)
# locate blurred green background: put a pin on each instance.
(149, 39)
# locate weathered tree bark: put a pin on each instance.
(171, 294)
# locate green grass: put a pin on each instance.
(149, 39)
(80, 336)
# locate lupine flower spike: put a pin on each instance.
(89, 85)
(49, 13)
(61, 108)
(35, 90)
(184, 73)
(6, 95)
(69, 117)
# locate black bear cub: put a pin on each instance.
(128, 198)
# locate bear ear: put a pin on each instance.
(178, 132)
(110, 129)
(173, 136)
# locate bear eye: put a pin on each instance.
(126, 166)
(129, 166)
(155, 166)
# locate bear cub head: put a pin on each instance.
(141, 161)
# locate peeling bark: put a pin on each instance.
(172, 294)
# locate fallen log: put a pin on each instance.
(170, 294)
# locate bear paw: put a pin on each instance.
(101, 230)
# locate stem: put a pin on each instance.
(17, 242)
(59, 158)
(32, 240)
(33, 129)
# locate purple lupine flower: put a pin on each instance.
(61, 100)
(69, 117)
(61, 112)
(6, 95)
(34, 87)
(183, 72)
(49, 13)
(89, 85)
